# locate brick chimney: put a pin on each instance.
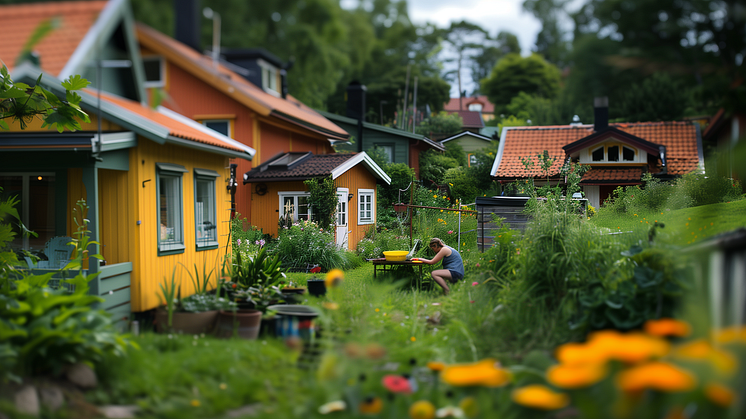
(356, 108)
(600, 113)
(188, 18)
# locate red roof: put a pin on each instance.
(471, 119)
(309, 165)
(454, 104)
(679, 138)
(237, 87)
(185, 130)
(19, 21)
(598, 176)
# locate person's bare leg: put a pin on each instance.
(441, 277)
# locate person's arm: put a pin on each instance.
(438, 256)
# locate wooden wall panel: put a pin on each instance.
(265, 210)
(356, 178)
(115, 224)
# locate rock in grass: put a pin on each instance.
(82, 376)
(51, 397)
(27, 400)
(118, 411)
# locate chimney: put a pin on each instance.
(284, 77)
(356, 108)
(187, 14)
(600, 113)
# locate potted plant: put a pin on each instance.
(193, 314)
(316, 286)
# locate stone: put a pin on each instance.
(248, 410)
(51, 397)
(82, 376)
(114, 411)
(27, 400)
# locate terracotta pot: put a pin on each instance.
(245, 322)
(187, 323)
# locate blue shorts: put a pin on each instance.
(456, 276)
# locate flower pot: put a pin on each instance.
(295, 321)
(187, 323)
(400, 207)
(245, 322)
(316, 287)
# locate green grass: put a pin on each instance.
(682, 227)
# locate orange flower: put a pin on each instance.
(667, 327)
(657, 376)
(436, 366)
(702, 350)
(422, 409)
(483, 373)
(605, 345)
(537, 396)
(334, 278)
(638, 347)
(720, 394)
(730, 335)
(371, 406)
(576, 376)
(579, 353)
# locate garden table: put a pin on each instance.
(387, 265)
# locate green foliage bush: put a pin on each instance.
(456, 152)
(464, 186)
(323, 198)
(433, 166)
(375, 243)
(243, 233)
(305, 243)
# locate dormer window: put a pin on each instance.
(269, 78)
(612, 153)
(155, 71)
(476, 107)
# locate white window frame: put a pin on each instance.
(175, 172)
(210, 176)
(162, 67)
(605, 147)
(472, 159)
(227, 122)
(361, 219)
(295, 195)
(475, 107)
(269, 73)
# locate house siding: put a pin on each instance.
(265, 212)
(469, 144)
(149, 269)
(356, 178)
(114, 217)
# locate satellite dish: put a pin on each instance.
(260, 189)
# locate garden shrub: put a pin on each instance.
(305, 243)
(704, 190)
(323, 198)
(464, 186)
(243, 233)
(375, 243)
(433, 166)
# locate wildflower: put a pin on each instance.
(449, 412)
(483, 373)
(238, 241)
(413, 338)
(223, 386)
(371, 406)
(731, 334)
(195, 403)
(537, 396)
(719, 394)
(450, 231)
(422, 409)
(474, 284)
(436, 366)
(234, 285)
(334, 278)
(667, 327)
(517, 251)
(469, 406)
(315, 269)
(397, 384)
(576, 376)
(262, 243)
(377, 310)
(702, 350)
(477, 265)
(375, 351)
(657, 376)
(335, 406)
(435, 196)
(330, 305)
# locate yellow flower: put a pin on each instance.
(657, 376)
(335, 406)
(667, 327)
(330, 305)
(537, 396)
(576, 376)
(702, 350)
(377, 310)
(720, 394)
(436, 366)
(223, 386)
(435, 196)
(469, 406)
(334, 278)
(195, 403)
(371, 406)
(730, 335)
(413, 338)
(422, 409)
(483, 373)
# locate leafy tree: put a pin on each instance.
(323, 199)
(463, 186)
(514, 74)
(442, 124)
(456, 152)
(552, 41)
(21, 102)
(480, 171)
(433, 166)
(465, 41)
(657, 98)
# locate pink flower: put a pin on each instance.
(239, 242)
(472, 301)
(478, 265)
(474, 284)
(450, 231)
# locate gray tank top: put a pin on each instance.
(453, 262)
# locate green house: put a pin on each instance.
(470, 143)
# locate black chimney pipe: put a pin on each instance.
(600, 113)
(356, 108)
(188, 15)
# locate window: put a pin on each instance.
(170, 209)
(628, 154)
(36, 193)
(221, 126)
(154, 71)
(610, 153)
(473, 160)
(598, 154)
(477, 107)
(366, 206)
(388, 150)
(206, 225)
(342, 210)
(295, 203)
(269, 78)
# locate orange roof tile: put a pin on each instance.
(613, 175)
(19, 21)
(260, 101)
(680, 139)
(454, 104)
(175, 127)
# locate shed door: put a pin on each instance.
(342, 219)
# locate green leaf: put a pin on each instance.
(646, 277)
(75, 82)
